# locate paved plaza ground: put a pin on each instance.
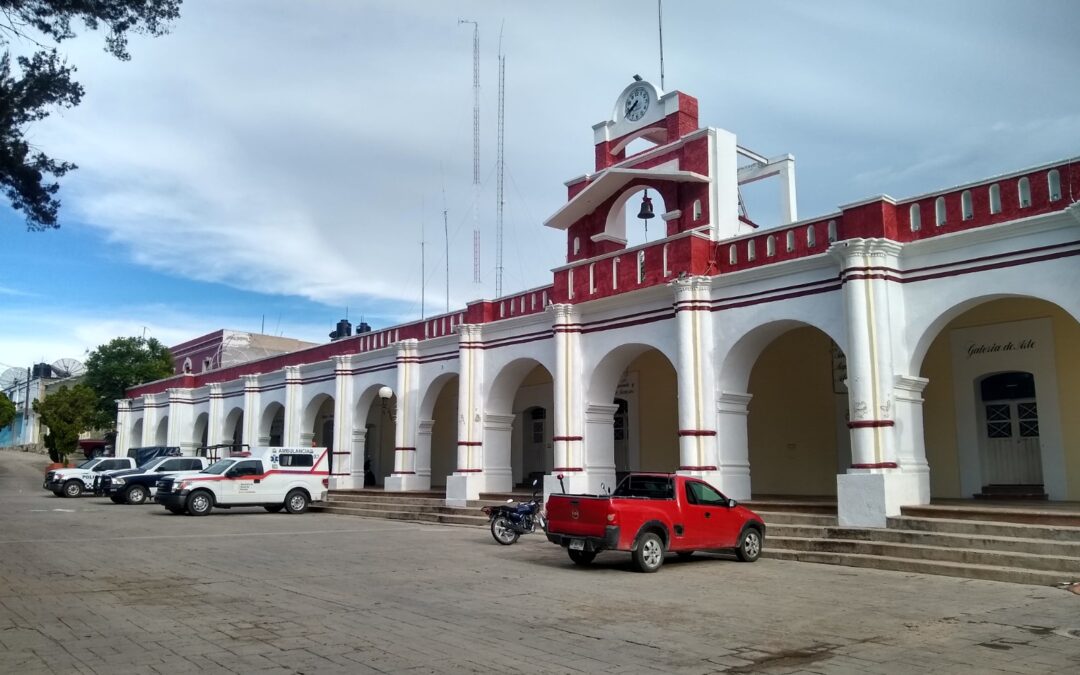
(89, 586)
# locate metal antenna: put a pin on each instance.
(446, 234)
(660, 22)
(476, 146)
(423, 280)
(500, 163)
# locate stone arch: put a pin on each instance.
(437, 450)
(200, 431)
(161, 433)
(272, 425)
(374, 432)
(519, 421)
(739, 360)
(136, 433)
(646, 378)
(981, 337)
(317, 422)
(234, 428)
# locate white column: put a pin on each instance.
(600, 447)
(733, 444)
(874, 487)
(216, 419)
(696, 379)
(468, 479)
(180, 422)
(911, 451)
(404, 476)
(123, 427)
(423, 450)
(569, 399)
(359, 439)
(344, 423)
(498, 471)
(291, 433)
(251, 410)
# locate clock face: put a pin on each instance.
(637, 102)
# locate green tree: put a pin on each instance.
(67, 413)
(7, 410)
(42, 82)
(113, 368)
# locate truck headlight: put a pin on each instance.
(117, 481)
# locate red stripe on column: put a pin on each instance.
(406, 449)
(566, 468)
(567, 438)
(471, 443)
(697, 468)
(402, 473)
(696, 432)
(469, 471)
(869, 424)
(879, 465)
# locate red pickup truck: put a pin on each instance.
(650, 514)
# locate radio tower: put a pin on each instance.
(475, 146)
(499, 162)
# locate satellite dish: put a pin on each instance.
(65, 368)
(11, 377)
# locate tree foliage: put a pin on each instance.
(124, 362)
(7, 410)
(34, 86)
(67, 413)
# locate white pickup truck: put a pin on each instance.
(274, 478)
(73, 482)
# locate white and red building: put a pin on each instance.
(888, 353)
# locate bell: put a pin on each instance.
(646, 207)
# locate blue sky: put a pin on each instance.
(278, 159)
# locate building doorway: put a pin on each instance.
(1009, 439)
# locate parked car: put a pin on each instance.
(73, 482)
(274, 478)
(136, 486)
(650, 514)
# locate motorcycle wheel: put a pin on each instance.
(502, 531)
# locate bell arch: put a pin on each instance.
(618, 217)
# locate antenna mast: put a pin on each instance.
(500, 163)
(423, 279)
(660, 23)
(476, 146)
(446, 235)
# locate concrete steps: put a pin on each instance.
(1018, 545)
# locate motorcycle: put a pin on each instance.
(510, 521)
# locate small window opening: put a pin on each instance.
(811, 236)
(770, 246)
(939, 211)
(966, 207)
(995, 198)
(577, 245)
(790, 237)
(751, 253)
(1024, 186)
(1053, 180)
(733, 255)
(592, 278)
(916, 218)
(640, 266)
(832, 231)
(697, 209)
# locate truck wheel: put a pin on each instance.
(296, 501)
(749, 545)
(200, 503)
(649, 554)
(176, 510)
(502, 532)
(582, 558)
(73, 488)
(136, 494)
(274, 508)
(59, 492)
(117, 499)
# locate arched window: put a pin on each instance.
(577, 245)
(697, 209)
(502, 309)
(615, 272)
(770, 246)
(995, 199)
(640, 266)
(790, 240)
(592, 278)
(187, 365)
(733, 255)
(1053, 181)
(966, 207)
(1024, 187)
(544, 299)
(916, 218)
(811, 237)
(570, 283)
(666, 270)
(832, 231)
(939, 211)
(751, 254)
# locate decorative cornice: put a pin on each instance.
(851, 251)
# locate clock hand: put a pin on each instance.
(631, 108)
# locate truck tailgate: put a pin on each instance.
(578, 515)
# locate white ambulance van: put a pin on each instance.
(273, 478)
